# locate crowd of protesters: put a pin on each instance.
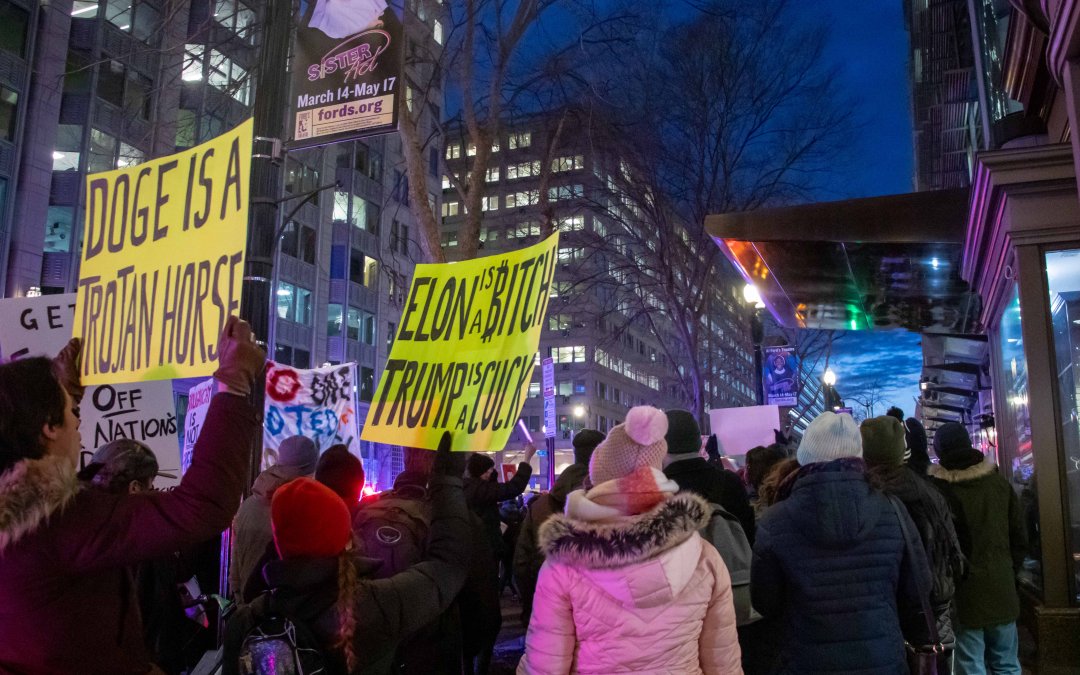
(850, 553)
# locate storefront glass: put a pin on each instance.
(1015, 433)
(1063, 279)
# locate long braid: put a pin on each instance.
(348, 582)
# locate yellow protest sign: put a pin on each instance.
(465, 350)
(163, 261)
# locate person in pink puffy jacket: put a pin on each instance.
(629, 586)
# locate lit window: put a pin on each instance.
(449, 209)
(520, 140)
(437, 31)
(570, 224)
(453, 151)
(489, 203)
(492, 175)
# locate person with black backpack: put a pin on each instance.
(324, 609)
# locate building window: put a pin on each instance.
(362, 268)
(129, 155)
(437, 31)
(102, 151)
(568, 163)
(523, 198)
(559, 321)
(453, 151)
(433, 161)
(14, 21)
(564, 192)
(391, 332)
(534, 390)
(228, 77)
(367, 383)
(570, 224)
(236, 17)
(294, 303)
(489, 203)
(573, 354)
(9, 105)
(193, 63)
(523, 170)
(299, 241)
(333, 320)
(58, 226)
(66, 151)
(361, 213)
(449, 209)
(492, 175)
(520, 140)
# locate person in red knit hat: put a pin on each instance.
(320, 581)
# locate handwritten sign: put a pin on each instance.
(465, 350)
(38, 326)
(162, 262)
(144, 412)
(319, 403)
(198, 404)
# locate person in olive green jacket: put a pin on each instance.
(991, 530)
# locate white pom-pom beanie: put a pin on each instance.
(637, 442)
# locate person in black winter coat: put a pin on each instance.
(831, 562)
(685, 465)
(479, 603)
(528, 558)
(918, 455)
(358, 622)
(883, 449)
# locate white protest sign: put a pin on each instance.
(319, 403)
(38, 326)
(198, 403)
(146, 411)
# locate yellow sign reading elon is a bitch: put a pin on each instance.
(465, 350)
(162, 262)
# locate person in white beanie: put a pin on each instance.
(628, 584)
(831, 563)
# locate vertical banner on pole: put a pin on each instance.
(780, 375)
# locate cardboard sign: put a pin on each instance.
(346, 70)
(740, 429)
(319, 403)
(198, 404)
(144, 412)
(162, 262)
(464, 353)
(38, 326)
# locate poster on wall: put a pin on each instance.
(465, 351)
(346, 70)
(319, 403)
(780, 376)
(163, 261)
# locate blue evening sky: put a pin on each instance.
(869, 44)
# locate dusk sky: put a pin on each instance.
(869, 44)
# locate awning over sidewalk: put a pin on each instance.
(877, 263)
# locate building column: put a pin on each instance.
(35, 169)
(1070, 77)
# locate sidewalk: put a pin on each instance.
(511, 644)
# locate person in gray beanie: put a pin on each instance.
(251, 532)
(834, 548)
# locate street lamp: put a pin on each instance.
(579, 411)
(829, 378)
(752, 296)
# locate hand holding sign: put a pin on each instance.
(240, 360)
(66, 369)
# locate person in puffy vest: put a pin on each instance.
(830, 562)
(629, 586)
(319, 581)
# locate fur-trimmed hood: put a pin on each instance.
(624, 541)
(30, 492)
(980, 470)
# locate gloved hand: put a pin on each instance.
(448, 463)
(65, 368)
(240, 360)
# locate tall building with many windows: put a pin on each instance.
(93, 85)
(604, 364)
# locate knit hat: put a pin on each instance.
(478, 464)
(883, 441)
(341, 471)
(952, 445)
(683, 434)
(585, 441)
(300, 453)
(829, 436)
(309, 520)
(637, 442)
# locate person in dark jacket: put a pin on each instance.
(685, 465)
(66, 601)
(251, 527)
(830, 560)
(358, 622)
(480, 611)
(883, 450)
(918, 457)
(528, 558)
(991, 528)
